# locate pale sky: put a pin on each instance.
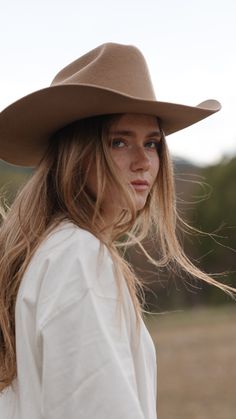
(190, 47)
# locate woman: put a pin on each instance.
(73, 342)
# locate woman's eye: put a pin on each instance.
(155, 145)
(118, 143)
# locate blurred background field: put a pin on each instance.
(196, 353)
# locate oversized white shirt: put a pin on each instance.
(77, 356)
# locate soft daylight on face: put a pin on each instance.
(133, 144)
(134, 141)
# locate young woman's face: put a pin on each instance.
(134, 141)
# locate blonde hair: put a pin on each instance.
(57, 191)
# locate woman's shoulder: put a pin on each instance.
(69, 262)
(65, 236)
(68, 251)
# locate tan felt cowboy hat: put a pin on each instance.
(111, 78)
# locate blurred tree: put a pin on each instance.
(12, 179)
(217, 216)
(207, 200)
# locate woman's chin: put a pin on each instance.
(140, 203)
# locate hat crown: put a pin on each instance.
(115, 67)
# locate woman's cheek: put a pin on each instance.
(119, 159)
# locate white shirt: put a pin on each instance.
(76, 357)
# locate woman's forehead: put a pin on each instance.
(131, 122)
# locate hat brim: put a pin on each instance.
(27, 124)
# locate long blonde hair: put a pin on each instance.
(57, 191)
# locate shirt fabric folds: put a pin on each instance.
(78, 355)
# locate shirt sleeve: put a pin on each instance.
(87, 364)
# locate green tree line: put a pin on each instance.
(207, 201)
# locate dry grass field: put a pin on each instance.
(196, 358)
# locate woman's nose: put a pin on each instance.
(139, 159)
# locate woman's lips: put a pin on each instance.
(140, 185)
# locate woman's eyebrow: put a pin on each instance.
(129, 133)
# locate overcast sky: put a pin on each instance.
(190, 47)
